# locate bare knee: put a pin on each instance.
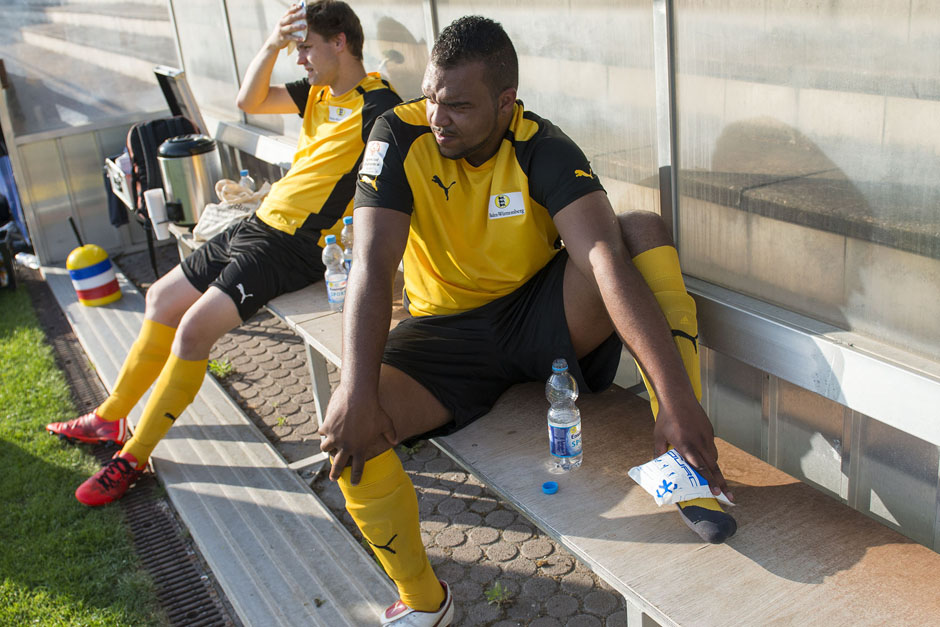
(642, 231)
(193, 339)
(162, 305)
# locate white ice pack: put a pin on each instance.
(670, 479)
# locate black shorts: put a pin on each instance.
(253, 262)
(468, 360)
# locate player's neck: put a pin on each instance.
(349, 76)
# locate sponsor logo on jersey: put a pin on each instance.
(338, 114)
(506, 205)
(370, 181)
(373, 158)
(440, 183)
(589, 174)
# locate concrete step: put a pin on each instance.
(138, 19)
(124, 53)
(76, 88)
(277, 551)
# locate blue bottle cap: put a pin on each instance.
(550, 487)
(330, 239)
(243, 173)
(559, 365)
(347, 220)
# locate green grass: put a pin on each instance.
(61, 563)
(221, 368)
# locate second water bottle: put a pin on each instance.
(346, 237)
(564, 418)
(335, 275)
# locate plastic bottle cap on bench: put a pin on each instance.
(550, 487)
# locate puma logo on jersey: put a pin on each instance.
(385, 547)
(440, 183)
(241, 289)
(587, 174)
(366, 179)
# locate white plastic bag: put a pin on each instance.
(670, 479)
(237, 203)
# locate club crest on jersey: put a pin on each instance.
(373, 158)
(338, 114)
(506, 205)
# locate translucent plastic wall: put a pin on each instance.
(73, 65)
(216, 52)
(809, 137)
(603, 96)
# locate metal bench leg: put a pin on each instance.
(636, 617)
(321, 382)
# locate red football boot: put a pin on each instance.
(111, 482)
(91, 429)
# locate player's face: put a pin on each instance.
(467, 120)
(319, 57)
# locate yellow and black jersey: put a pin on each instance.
(312, 198)
(477, 233)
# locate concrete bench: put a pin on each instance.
(279, 554)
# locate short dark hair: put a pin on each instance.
(328, 18)
(476, 38)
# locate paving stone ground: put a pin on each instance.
(475, 541)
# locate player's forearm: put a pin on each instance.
(255, 86)
(367, 315)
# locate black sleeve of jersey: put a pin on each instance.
(374, 104)
(299, 90)
(558, 171)
(382, 181)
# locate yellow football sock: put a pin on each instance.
(141, 366)
(176, 388)
(385, 507)
(660, 269)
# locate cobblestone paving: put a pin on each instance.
(476, 541)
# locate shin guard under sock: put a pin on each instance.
(176, 388)
(141, 367)
(661, 271)
(385, 508)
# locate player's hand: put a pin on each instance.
(355, 430)
(688, 430)
(284, 31)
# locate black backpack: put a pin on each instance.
(143, 140)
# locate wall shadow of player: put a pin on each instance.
(766, 168)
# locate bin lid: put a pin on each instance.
(186, 146)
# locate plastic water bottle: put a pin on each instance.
(246, 181)
(564, 418)
(335, 275)
(346, 236)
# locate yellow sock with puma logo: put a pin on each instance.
(385, 508)
(143, 363)
(176, 387)
(661, 271)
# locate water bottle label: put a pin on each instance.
(565, 441)
(336, 291)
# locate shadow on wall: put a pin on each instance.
(776, 218)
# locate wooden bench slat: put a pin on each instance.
(799, 557)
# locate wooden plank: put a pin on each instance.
(799, 557)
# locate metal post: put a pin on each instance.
(666, 127)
